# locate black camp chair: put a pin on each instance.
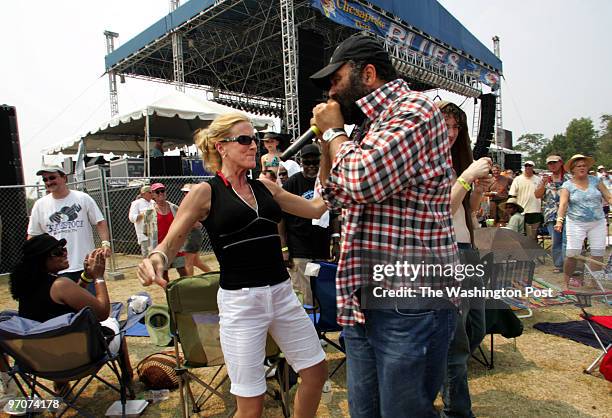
(323, 312)
(194, 324)
(68, 348)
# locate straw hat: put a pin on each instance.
(570, 163)
(512, 201)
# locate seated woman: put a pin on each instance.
(514, 211)
(43, 295)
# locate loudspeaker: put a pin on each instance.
(167, 166)
(311, 58)
(13, 211)
(486, 129)
(11, 169)
(513, 162)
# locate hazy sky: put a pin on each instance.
(556, 58)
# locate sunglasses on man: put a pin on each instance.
(311, 163)
(49, 178)
(58, 252)
(242, 139)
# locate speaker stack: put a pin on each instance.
(486, 130)
(311, 58)
(13, 211)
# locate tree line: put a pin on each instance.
(580, 137)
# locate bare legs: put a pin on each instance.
(306, 399)
(193, 259)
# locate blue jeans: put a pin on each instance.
(558, 244)
(469, 334)
(396, 362)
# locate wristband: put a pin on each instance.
(560, 219)
(335, 235)
(164, 257)
(85, 278)
(100, 280)
(464, 183)
(285, 249)
(106, 244)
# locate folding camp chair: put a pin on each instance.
(600, 325)
(68, 348)
(514, 274)
(545, 241)
(499, 317)
(194, 323)
(323, 312)
(598, 276)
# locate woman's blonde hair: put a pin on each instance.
(205, 139)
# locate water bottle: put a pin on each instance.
(326, 394)
(157, 395)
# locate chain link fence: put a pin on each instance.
(113, 196)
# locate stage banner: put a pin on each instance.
(354, 15)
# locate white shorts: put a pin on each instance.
(115, 343)
(576, 232)
(246, 316)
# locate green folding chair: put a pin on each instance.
(194, 324)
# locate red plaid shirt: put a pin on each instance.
(393, 186)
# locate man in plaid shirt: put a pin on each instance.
(392, 180)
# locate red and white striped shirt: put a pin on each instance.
(393, 185)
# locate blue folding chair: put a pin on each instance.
(71, 347)
(323, 312)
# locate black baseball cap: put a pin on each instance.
(41, 244)
(357, 47)
(310, 149)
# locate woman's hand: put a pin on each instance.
(95, 264)
(558, 227)
(151, 270)
(482, 185)
(479, 169)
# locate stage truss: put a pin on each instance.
(243, 53)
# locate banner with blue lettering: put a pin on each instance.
(359, 17)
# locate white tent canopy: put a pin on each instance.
(173, 118)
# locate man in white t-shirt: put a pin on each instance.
(523, 188)
(138, 208)
(69, 214)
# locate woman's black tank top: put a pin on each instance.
(245, 240)
(38, 305)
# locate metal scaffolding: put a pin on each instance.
(112, 76)
(499, 127)
(177, 53)
(244, 53)
(290, 68)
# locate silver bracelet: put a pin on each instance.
(164, 257)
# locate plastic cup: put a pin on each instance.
(490, 222)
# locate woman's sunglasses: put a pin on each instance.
(58, 252)
(242, 139)
(160, 191)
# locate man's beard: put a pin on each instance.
(346, 99)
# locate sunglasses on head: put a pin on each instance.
(58, 252)
(50, 178)
(242, 139)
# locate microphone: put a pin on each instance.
(301, 142)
